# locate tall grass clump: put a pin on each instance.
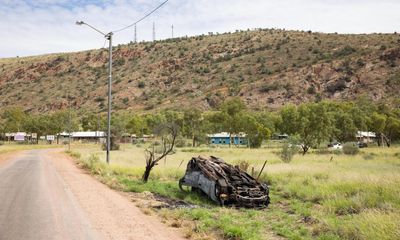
(75, 155)
(94, 165)
(288, 152)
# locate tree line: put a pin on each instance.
(309, 123)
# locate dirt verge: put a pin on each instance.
(112, 215)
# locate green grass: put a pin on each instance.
(313, 197)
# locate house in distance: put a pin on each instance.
(223, 138)
(86, 137)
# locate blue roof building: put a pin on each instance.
(223, 139)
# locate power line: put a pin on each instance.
(138, 21)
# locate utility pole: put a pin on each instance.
(109, 37)
(98, 128)
(172, 31)
(154, 31)
(69, 122)
(135, 34)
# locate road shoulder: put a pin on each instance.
(112, 215)
(8, 156)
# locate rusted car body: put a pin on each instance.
(224, 183)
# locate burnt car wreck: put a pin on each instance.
(224, 183)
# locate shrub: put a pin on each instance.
(311, 90)
(75, 155)
(92, 161)
(337, 86)
(270, 87)
(180, 142)
(394, 80)
(141, 84)
(99, 99)
(288, 152)
(350, 149)
(347, 50)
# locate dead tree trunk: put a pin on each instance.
(385, 139)
(305, 149)
(168, 133)
(146, 173)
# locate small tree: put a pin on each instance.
(168, 133)
(192, 120)
(256, 131)
(289, 149)
(231, 114)
(314, 125)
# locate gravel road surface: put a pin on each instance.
(43, 195)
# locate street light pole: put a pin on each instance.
(108, 36)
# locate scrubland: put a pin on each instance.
(316, 196)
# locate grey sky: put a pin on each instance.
(47, 26)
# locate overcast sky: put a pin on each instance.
(32, 27)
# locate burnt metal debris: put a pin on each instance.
(224, 183)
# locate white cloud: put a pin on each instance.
(45, 26)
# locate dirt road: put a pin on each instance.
(44, 196)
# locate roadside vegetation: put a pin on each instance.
(315, 196)
(308, 124)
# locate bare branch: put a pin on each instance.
(169, 133)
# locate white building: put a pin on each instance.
(89, 136)
(366, 137)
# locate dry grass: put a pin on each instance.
(348, 197)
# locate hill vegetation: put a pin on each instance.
(266, 68)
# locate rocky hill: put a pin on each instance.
(266, 68)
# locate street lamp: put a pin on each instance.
(108, 36)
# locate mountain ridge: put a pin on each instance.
(266, 68)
